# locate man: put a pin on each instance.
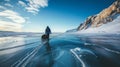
(47, 31)
(45, 37)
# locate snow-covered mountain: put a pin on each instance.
(107, 21)
(111, 27)
(72, 30)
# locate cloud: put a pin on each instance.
(8, 5)
(11, 20)
(22, 3)
(15, 22)
(9, 26)
(13, 16)
(2, 7)
(33, 6)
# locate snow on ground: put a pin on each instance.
(112, 27)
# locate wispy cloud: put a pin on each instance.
(8, 5)
(33, 6)
(22, 3)
(13, 16)
(10, 20)
(10, 26)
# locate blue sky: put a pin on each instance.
(35, 15)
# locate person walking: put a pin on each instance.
(45, 37)
(48, 31)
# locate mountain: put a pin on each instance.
(107, 20)
(72, 30)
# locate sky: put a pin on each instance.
(59, 15)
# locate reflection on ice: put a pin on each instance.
(68, 51)
(80, 51)
(78, 56)
(10, 42)
(77, 49)
(60, 55)
(112, 50)
(10, 51)
(81, 54)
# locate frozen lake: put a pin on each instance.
(62, 50)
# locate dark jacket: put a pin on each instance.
(47, 31)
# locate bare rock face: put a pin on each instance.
(87, 23)
(105, 16)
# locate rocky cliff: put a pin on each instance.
(105, 16)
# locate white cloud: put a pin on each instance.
(8, 5)
(22, 3)
(9, 26)
(33, 6)
(13, 16)
(15, 21)
(9, 19)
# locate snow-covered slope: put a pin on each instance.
(107, 21)
(72, 30)
(111, 27)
